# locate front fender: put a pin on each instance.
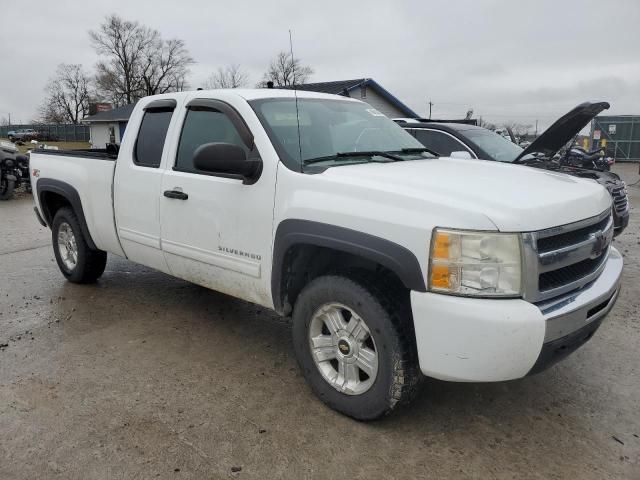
(392, 256)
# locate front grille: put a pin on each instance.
(568, 274)
(572, 237)
(562, 259)
(620, 202)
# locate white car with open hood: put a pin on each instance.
(392, 262)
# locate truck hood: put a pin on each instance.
(513, 198)
(604, 178)
(564, 129)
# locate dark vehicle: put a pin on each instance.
(14, 171)
(468, 141)
(579, 157)
(46, 136)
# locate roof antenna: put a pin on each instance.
(295, 93)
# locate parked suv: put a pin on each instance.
(469, 141)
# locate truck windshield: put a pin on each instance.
(331, 131)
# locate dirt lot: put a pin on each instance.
(145, 376)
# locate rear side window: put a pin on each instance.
(151, 137)
(440, 142)
(204, 126)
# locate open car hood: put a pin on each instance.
(564, 129)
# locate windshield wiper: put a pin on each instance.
(372, 153)
(419, 150)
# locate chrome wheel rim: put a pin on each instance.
(67, 246)
(343, 349)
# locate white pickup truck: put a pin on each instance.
(392, 262)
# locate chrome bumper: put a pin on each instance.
(569, 313)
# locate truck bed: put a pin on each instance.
(89, 173)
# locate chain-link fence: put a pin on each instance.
(61, 133)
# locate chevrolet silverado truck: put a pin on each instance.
(392, 263)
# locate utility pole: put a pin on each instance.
(536, 128)
(430, 105)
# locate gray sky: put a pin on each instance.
(508, 60)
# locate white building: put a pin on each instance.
(365, 89)
(108, 127)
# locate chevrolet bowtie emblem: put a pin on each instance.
(599, 245)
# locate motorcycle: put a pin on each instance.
(14, 171)
(579, 157)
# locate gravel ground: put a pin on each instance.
(145, 376)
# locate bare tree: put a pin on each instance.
(231, 76)
(165, 67)
(136, 61)
(485, 124)
(4, 121)
(520, 130)
(68, 94)
(284, 70)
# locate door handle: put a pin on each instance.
(175, 194)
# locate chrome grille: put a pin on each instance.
(561, 259)
(620, 202)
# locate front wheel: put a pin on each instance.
(77, 261)
(6, 188)
(356, 349)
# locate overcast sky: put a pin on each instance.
(508, 60)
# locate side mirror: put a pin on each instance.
(227, 160)
(461, 154)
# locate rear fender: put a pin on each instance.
(45, 185)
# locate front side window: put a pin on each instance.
(151, 137)
(497, 147)
(440, 142)
(202, 125)
(326, 128)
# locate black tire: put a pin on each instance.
(90, 263)
(6, 188)
(391, 328)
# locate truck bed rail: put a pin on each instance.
(88, 153)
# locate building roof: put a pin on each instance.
(343, 87)
(120, 114)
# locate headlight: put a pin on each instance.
(475, 263)
(8, 163)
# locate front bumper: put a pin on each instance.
(488, 340)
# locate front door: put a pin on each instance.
(216, 231)
(137, 184)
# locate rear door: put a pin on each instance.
(216, 231)
(137, 184)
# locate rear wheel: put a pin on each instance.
(355, 347)
(6, 188)
(77, 261)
